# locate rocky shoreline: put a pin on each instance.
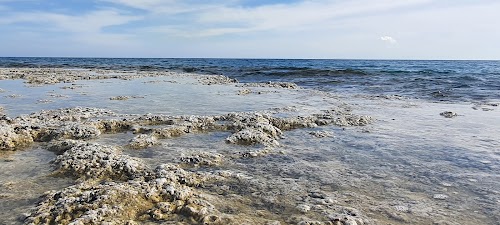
(160, 147)
(115, 188)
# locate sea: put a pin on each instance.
(436, 80)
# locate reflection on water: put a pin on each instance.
(145, 95)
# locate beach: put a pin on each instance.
(140, 146)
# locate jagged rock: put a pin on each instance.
(14, 136)
(94, 161)
(252, 136)
(143, 141)
(121, 203)
(216, 79)
(79, 131)
(203, 159)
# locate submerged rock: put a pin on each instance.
(321, 134)
(121, 97)
(448, 114)
(143, 141)
(203, 159)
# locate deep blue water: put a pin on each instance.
(469, 81)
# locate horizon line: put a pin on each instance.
(249, 58)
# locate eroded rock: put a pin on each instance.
(94, 161)
(143, 141)
(203, 159)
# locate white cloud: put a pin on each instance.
(315, 28)
(388, 39)
(216, 19)
(92, 22)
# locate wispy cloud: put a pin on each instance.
(388, 39)
(240, 28)
(91, 22)
(215, 19)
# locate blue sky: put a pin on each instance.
(366, 29)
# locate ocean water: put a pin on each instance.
(455, 81)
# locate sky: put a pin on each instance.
(335, 29)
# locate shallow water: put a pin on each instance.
(24, 176)
(411, 166)
(146, 95)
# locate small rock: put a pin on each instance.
(321, 134)
(244, 92)
(401, 208)
(440, 196)
(120, 98)
(448, 114)
(303, 208)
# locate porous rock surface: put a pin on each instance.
(48, 76)
(114, 188)
(88, 160)
(272, 84)
(50, 125)
(165, 194)
(143, 141)
(216, 79)
(87, 123)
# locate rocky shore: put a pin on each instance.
(112, 187)
(133, 147)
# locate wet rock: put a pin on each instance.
(321, 134)
(113, 125)
(352, 120)
(440, 196)
(216, 79)
(257, 153)
(78, 131)
(143, 141)
(13, 136)
(252, 136)
(253, 129)
(303, 208)
(13, 96)
(121, 203)
(44, 101)
(401, 208)
(244, 92)
(448, 114)
(94, 161)
(61, 146)
(203, 159)
(271, 84)
(172, 131)
(120, 98)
